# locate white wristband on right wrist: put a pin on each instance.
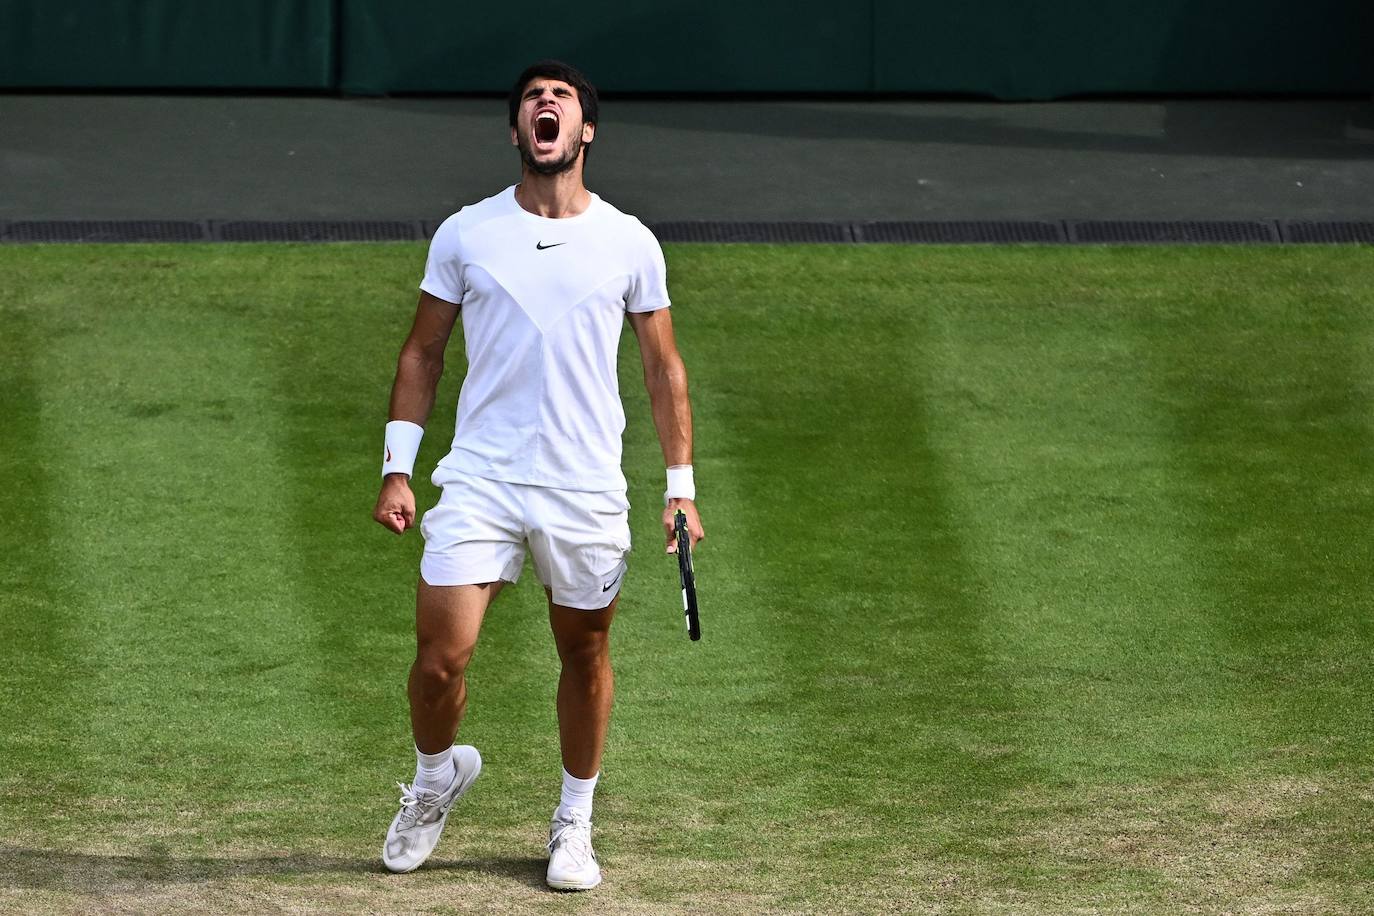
(680, 483)
(401, 446)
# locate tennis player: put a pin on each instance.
(543, 275)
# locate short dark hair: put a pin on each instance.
(556, 70)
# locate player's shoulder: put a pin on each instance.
(451, 230)
(625, 224)
(493, 207)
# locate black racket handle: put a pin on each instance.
(687, 576)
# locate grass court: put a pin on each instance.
(1037, 580)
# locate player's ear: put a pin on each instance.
(588, 132)
(514, 137)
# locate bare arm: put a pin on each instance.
(412, 398)
(422, 360)
(665, 378)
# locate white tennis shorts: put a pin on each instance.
(480, 528)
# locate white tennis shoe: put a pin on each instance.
(572, 863)
(415, 829)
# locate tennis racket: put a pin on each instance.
(685, 574)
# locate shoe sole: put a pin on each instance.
(569, 886)
(443, 821)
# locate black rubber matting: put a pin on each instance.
(1335, 233)
(945, 233)
(104, 231)
(1154, 232)
(316, 230)
(1050, 232)
(785, 233)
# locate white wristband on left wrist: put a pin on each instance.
(680, 483)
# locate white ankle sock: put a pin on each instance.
(433, 771)
(577, 793)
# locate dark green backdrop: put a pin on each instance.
(146, 44)
(1008, 49)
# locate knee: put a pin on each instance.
(439, 671)
(588, 651)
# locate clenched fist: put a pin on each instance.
(395, 504)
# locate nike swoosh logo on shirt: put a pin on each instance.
(541, 246)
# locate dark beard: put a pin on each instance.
(557, 166)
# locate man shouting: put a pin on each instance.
(543, 275)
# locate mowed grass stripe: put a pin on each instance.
(1063, 489)
(42, 662)
(1125, 697)
(187, 640)
(854, 646)
(1269, 403)
(331, 349)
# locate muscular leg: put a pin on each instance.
(447, 619)
(585, 687)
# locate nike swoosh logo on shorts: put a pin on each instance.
(607, 587)
(541, 246)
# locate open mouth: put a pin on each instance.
(545, 128)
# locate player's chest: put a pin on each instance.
(546, 277)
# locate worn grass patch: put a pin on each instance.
(1265, 846)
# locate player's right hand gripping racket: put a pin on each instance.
(689, 579)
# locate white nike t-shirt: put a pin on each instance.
(543, 303)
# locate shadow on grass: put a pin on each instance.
(91, 873)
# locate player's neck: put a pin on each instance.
(553, 196)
